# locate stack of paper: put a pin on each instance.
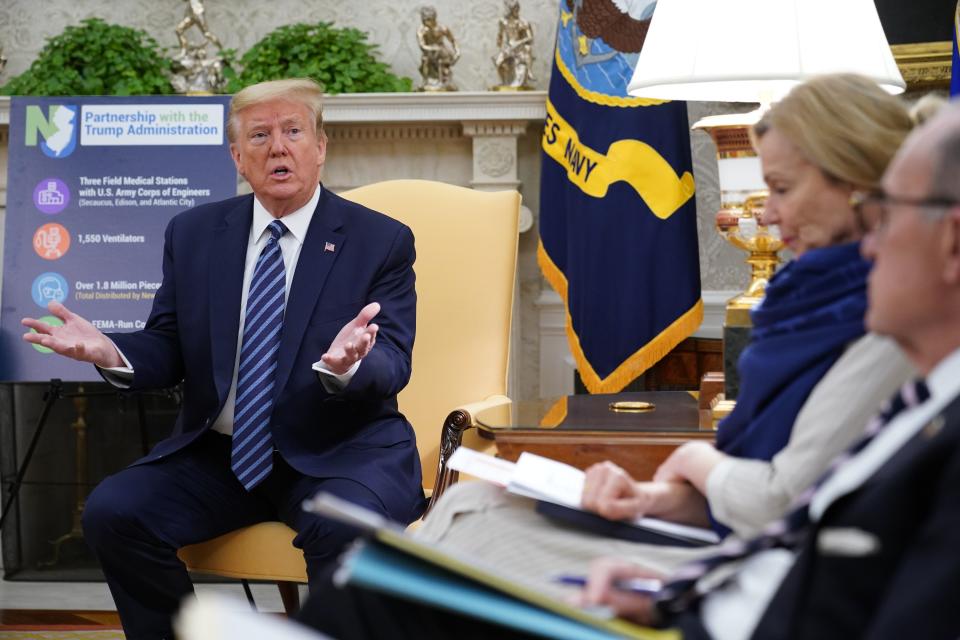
(544, 479)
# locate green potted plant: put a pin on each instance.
(95, 58)
(340, 59)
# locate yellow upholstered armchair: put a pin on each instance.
(466, 244)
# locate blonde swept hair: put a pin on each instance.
(843, 123)
(300, 90)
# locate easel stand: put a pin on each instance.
(53, 393)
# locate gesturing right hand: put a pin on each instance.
(77, 338)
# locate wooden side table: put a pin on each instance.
(582, 429)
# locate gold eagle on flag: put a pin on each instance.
(630, 161)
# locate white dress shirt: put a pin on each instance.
(291, 243)
(733, 611)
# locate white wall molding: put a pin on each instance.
(393, 131)
(434, 107)
(556, 363)
(714, 309)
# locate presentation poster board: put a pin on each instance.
(92, 183)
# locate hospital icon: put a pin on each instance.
(51, 195)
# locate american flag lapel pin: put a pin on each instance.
(329, 246)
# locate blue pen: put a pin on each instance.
(644, 586)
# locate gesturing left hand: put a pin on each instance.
(354, 341)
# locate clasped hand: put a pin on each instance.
(676, 493)
(611, 492)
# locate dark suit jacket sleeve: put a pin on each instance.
(386, 369)
(924, 594)
(154, 351)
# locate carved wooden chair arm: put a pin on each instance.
(456, 423)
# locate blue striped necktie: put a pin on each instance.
(252, 455)
(683, 591)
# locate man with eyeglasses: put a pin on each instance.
(872, 550)
(873, 208)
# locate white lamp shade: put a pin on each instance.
(757, 50)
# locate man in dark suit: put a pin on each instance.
(870, 551)
(265, 316)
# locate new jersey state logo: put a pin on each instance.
(58, 128)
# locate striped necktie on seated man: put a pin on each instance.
(683, 591)
(252, 454)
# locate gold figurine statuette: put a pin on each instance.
(514, 59)
(193, 71)
(438, 53)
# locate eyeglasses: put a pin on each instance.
(872, 208)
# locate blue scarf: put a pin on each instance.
(813, 309)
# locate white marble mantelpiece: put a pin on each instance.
(458, 106)
(493, 121)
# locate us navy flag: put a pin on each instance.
(618, 230)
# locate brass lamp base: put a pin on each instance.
(738, 312)
(763, 264)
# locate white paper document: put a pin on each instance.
(545, 479)
(480, 465)
(541, 478)
(216, 617)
